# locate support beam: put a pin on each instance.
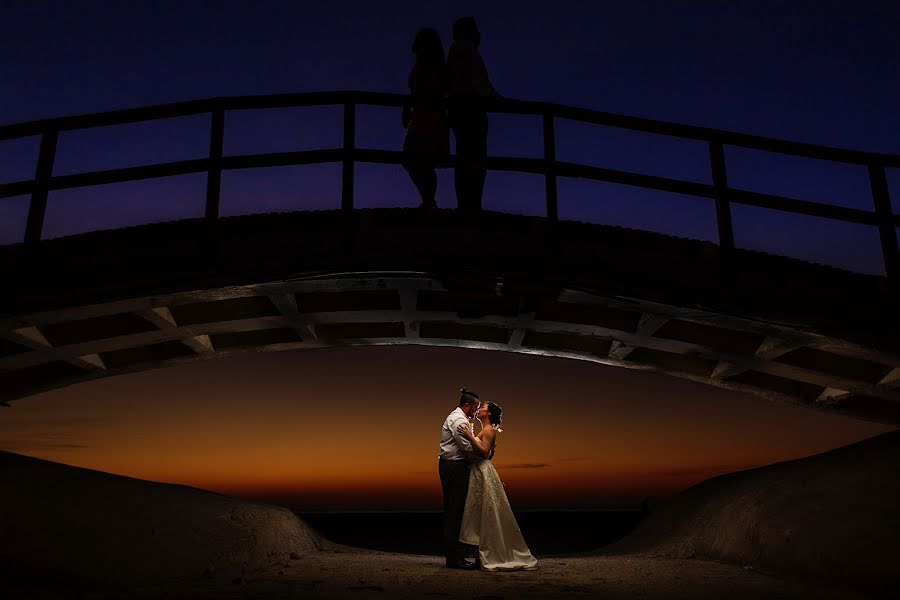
(723, 207)
(31, 337)
(519, 330)
(831, 396)
(93, 359)
(619, 350)
(162, 317)
(408, 296)
(287, 306)
(348, 162)
(640, 332)
(214, 175)
(724, 369)
(887, 230)
(37, 208)
(892, 379)
(769, 349)
(201, 344)
(647, 326)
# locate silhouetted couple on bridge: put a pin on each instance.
(448, 95)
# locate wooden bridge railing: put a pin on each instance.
(44, 181)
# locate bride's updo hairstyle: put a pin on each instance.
(495, 415)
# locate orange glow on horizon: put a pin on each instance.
(357, 428)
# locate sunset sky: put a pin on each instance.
(358, 428)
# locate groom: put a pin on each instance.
(453, 468)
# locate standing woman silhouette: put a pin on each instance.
(427, 131)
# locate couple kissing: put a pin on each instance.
(476, 509)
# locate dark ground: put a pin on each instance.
(546, 532)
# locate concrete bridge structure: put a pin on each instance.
(111, 302)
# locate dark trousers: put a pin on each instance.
(454, 476)
(470, 128)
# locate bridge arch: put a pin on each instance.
(169, 300)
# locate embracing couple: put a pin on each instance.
(476, 509)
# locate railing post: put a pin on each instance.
(349, 146)
(550, 166)
(214, 175)
(887, 231)
(37, 208)
(552, 230)
(723, 207)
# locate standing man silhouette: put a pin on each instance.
(453, 469)
(468, 86)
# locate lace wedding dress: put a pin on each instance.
(488, 522)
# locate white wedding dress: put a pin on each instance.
(488, 522)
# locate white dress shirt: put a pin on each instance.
(453, 445)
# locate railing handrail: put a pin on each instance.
(348, 154)
(505, 105)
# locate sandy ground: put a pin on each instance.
(363, 574)
(152, 540)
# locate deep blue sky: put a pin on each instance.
(819, 72)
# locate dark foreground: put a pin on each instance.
(547, 531)
(366, 574)
(819, 527)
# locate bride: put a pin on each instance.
(488, 521)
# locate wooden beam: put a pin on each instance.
(723, 208)
(160, 316)
(519, 330)
(214, 174)
(37, 207)
(93, 359)
(201, 344)
(803, 207)
(408, 299)
(769, 349)
(851, 350)
(281, 294)
(287, 306)
(724, 369)
(891, 379)
(31, 337)
(282, 159)
(619, 350)
(887, 231)
(831, 396)
(550, 168)
(16, 188)
(107, 176)
(648, 324)
(348, 158)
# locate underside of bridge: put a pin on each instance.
(108, 303)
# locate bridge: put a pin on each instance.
(110, 302)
